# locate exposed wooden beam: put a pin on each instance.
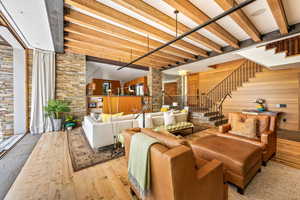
(268, 37)
(156, 15)
(241, 19)
(84, 20)
(108, 44)
(81, 51)
(193, 12)
(121, 18)
(55, 13)
(115, 41)
(103, 52)
(116, 63)
(100, 44)
(278, 12)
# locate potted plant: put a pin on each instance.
(54, 110)
(70, 122)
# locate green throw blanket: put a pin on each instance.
(139, 162)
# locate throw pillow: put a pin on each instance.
(169, 118)
(164, 109)
(247, 128)
(181, 117)
(108, 117)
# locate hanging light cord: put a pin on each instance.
(176, 15)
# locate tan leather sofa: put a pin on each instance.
(267, 137)
(175, 174)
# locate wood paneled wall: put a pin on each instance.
(204, 81)
(171, 88)
(125, 104)
(276, 87)
(96, 86)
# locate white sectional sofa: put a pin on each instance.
(100, 134)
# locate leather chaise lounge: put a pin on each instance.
(175, 174)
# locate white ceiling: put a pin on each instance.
(258, 12)
(29, 18)
(110, 72)
(268, 58)
(202, 65)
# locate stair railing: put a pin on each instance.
(235, 79)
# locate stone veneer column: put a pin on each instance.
(6, 91)
(70, 81)
(155, 88)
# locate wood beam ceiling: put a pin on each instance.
(106, 44)
(116, 63)
(93, 23)
(110, 56)
(121, 18)
(278, 12)
(115, 41)
(154, 14)
(241, 19)
(101, 50)
(194, 13)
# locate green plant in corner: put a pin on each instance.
(55, 110)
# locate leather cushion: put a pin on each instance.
(245, 128)
(166, 140)
(236, 155)
(263, 123)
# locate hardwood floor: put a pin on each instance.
(288, 153)
(48, 174)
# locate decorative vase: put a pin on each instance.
(57, 124)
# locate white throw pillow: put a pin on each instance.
(158, 121)
(181, 117)
(169, 118)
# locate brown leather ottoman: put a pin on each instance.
(241, 160)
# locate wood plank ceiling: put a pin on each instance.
(95, 29)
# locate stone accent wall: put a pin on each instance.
(155, 88)
(70, 81)
(6, 91)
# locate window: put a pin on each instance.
(106, 88)
(140, 90)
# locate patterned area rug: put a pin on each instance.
(83, 156)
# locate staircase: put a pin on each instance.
(207, 108)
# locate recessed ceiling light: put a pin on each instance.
(258, 12)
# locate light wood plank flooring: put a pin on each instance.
(288, 153)
(48, 174)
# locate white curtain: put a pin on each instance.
(43, 89)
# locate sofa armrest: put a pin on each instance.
(127, 134)
(212, 168)
(212, 173)
(224, 128)
(266, 136)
